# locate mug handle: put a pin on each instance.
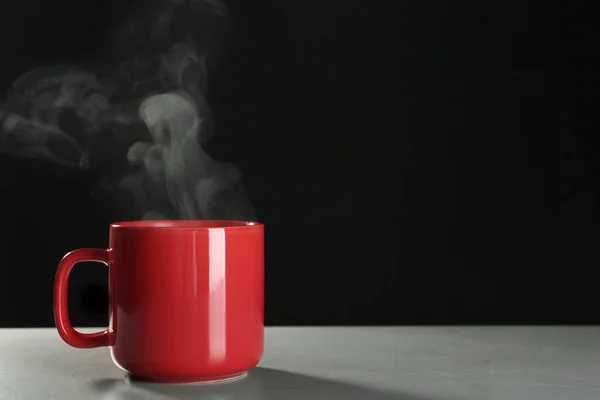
(61, 297)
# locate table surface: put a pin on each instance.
(382, 363)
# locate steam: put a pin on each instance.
(142, 123)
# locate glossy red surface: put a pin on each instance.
(186, 299)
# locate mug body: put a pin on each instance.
(186, 299)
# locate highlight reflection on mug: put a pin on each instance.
(217, 298)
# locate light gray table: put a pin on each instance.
(334, 364)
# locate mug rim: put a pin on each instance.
(174, 224)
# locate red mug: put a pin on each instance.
(186, 299)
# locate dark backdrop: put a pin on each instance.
(415, 162)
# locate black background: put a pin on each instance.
(414, 162)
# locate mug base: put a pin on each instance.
(195, 380)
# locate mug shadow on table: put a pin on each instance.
(261, 383)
